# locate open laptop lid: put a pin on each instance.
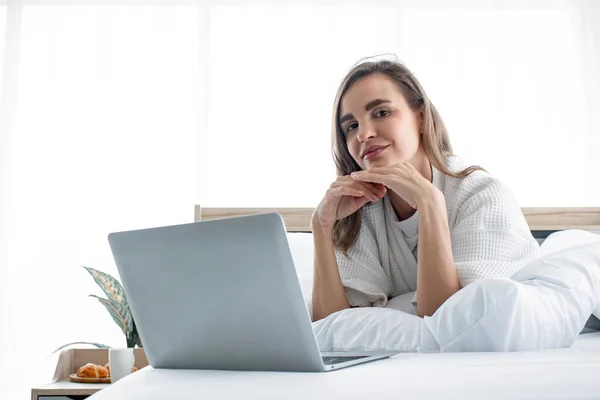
(219, 294)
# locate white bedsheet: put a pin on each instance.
(571, 373)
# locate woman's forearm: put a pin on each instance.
(328, 294)
(437, 279)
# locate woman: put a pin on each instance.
(404, 214)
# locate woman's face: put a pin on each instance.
(380, 127)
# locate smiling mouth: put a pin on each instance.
(374, 153)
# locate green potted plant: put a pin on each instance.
(117, 306)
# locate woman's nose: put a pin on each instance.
(366, 131)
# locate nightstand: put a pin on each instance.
(69, 361)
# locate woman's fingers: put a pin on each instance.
(372, 177)
(345, 191)
(378, 188)
(376, 191)
(345, 196)
(372, 193)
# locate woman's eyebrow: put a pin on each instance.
(346, 118)
(369, 106)
(374, 103)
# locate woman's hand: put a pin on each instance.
(344, 197)
(402, 179)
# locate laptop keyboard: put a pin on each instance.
(338, 359)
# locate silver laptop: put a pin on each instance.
(221, 294)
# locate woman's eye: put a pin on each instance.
(351, 127)
(382, 113)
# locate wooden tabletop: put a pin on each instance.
(67, 388)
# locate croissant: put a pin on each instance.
(90, 370)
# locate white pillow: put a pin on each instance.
(545, 305)
(373, 328)
(564, 239)
(558, 241)
(302, 249)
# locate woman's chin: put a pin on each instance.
(382, 160)
(379, 162)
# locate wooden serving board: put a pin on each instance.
(76, 378)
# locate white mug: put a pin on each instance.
(121, 363)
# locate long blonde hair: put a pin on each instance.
(435, 136)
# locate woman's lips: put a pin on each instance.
(375, 153)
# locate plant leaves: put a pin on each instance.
(119, 312)
(136, 336)
(134, 339)
(112, 288)
(98, 345)
(116, 304)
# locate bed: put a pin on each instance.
(572, 373)
(568, 373)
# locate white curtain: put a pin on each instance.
(103, 105)
(119, 115)
(514, 81)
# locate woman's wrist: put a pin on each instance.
(318, 229)
(430, 197)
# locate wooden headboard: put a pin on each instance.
(539, 219)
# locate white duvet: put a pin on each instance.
(545, 305)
